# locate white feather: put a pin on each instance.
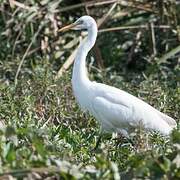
(116, 110)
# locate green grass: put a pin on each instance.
(47, 135)
(43, 132)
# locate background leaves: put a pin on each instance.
(43, 133)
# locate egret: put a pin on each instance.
(116, 110)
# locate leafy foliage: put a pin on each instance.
(43, 133)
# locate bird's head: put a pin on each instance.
(83, 23)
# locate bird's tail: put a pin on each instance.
(169, 120)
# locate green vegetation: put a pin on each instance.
(43, 132)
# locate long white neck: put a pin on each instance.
(80, 76)
(80, 81)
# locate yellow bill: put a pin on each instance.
(70, 26)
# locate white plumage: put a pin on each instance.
(115, 109)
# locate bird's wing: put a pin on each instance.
(121, 107)
(110, 115)
(117, 96)
(168, 119)
(113, 105)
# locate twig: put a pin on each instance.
(120, 14)
(67, 64)
(26, 52)
(98, 57)
(130, 4)
(153, 39)
(33, 51)
(95, 3)
(86, 7)
(106, 16)
(16, 11)
(169, 54)
(87, 4)
(47, 122)
(36, 170)
(132, 27)
(14, 46)
(21, 5)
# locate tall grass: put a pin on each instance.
(43, 133)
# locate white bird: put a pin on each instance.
(116, 110)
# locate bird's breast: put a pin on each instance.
(83, 95)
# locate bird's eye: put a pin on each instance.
(80, 22)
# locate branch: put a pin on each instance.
(21, 5)
(153, 39)
(106, 16)
(40, 170)
(95, 3)
(87, 4)
(169, 54)
(67, 64)
(132, 27)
